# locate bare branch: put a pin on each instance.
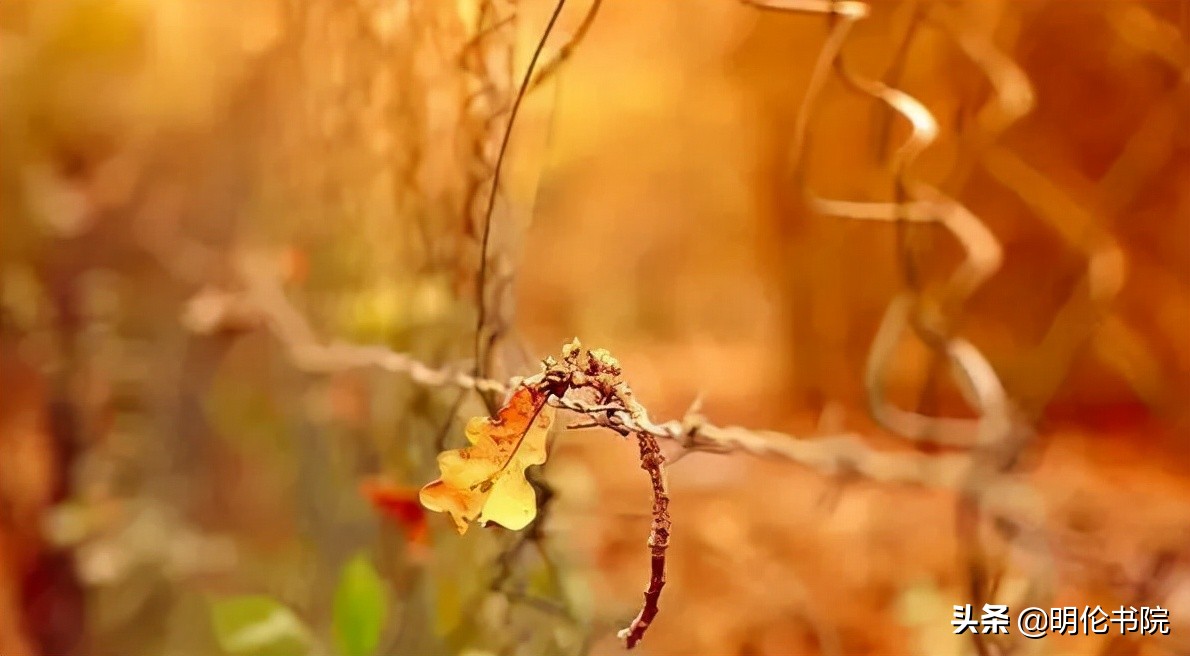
(652, 462)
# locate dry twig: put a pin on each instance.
(652, 462)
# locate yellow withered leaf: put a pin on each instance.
(486, 482)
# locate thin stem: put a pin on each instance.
(481, 295)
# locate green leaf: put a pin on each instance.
(259, 626)
(361, 604)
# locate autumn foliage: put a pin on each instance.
(485, 482)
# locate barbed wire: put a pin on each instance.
(262, 304)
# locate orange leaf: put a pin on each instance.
(486, 481)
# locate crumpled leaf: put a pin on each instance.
(486, 482)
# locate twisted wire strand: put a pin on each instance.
(996, 432)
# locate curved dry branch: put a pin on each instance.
(652, 462)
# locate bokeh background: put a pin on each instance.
(193, 191)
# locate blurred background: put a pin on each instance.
(197, 195)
